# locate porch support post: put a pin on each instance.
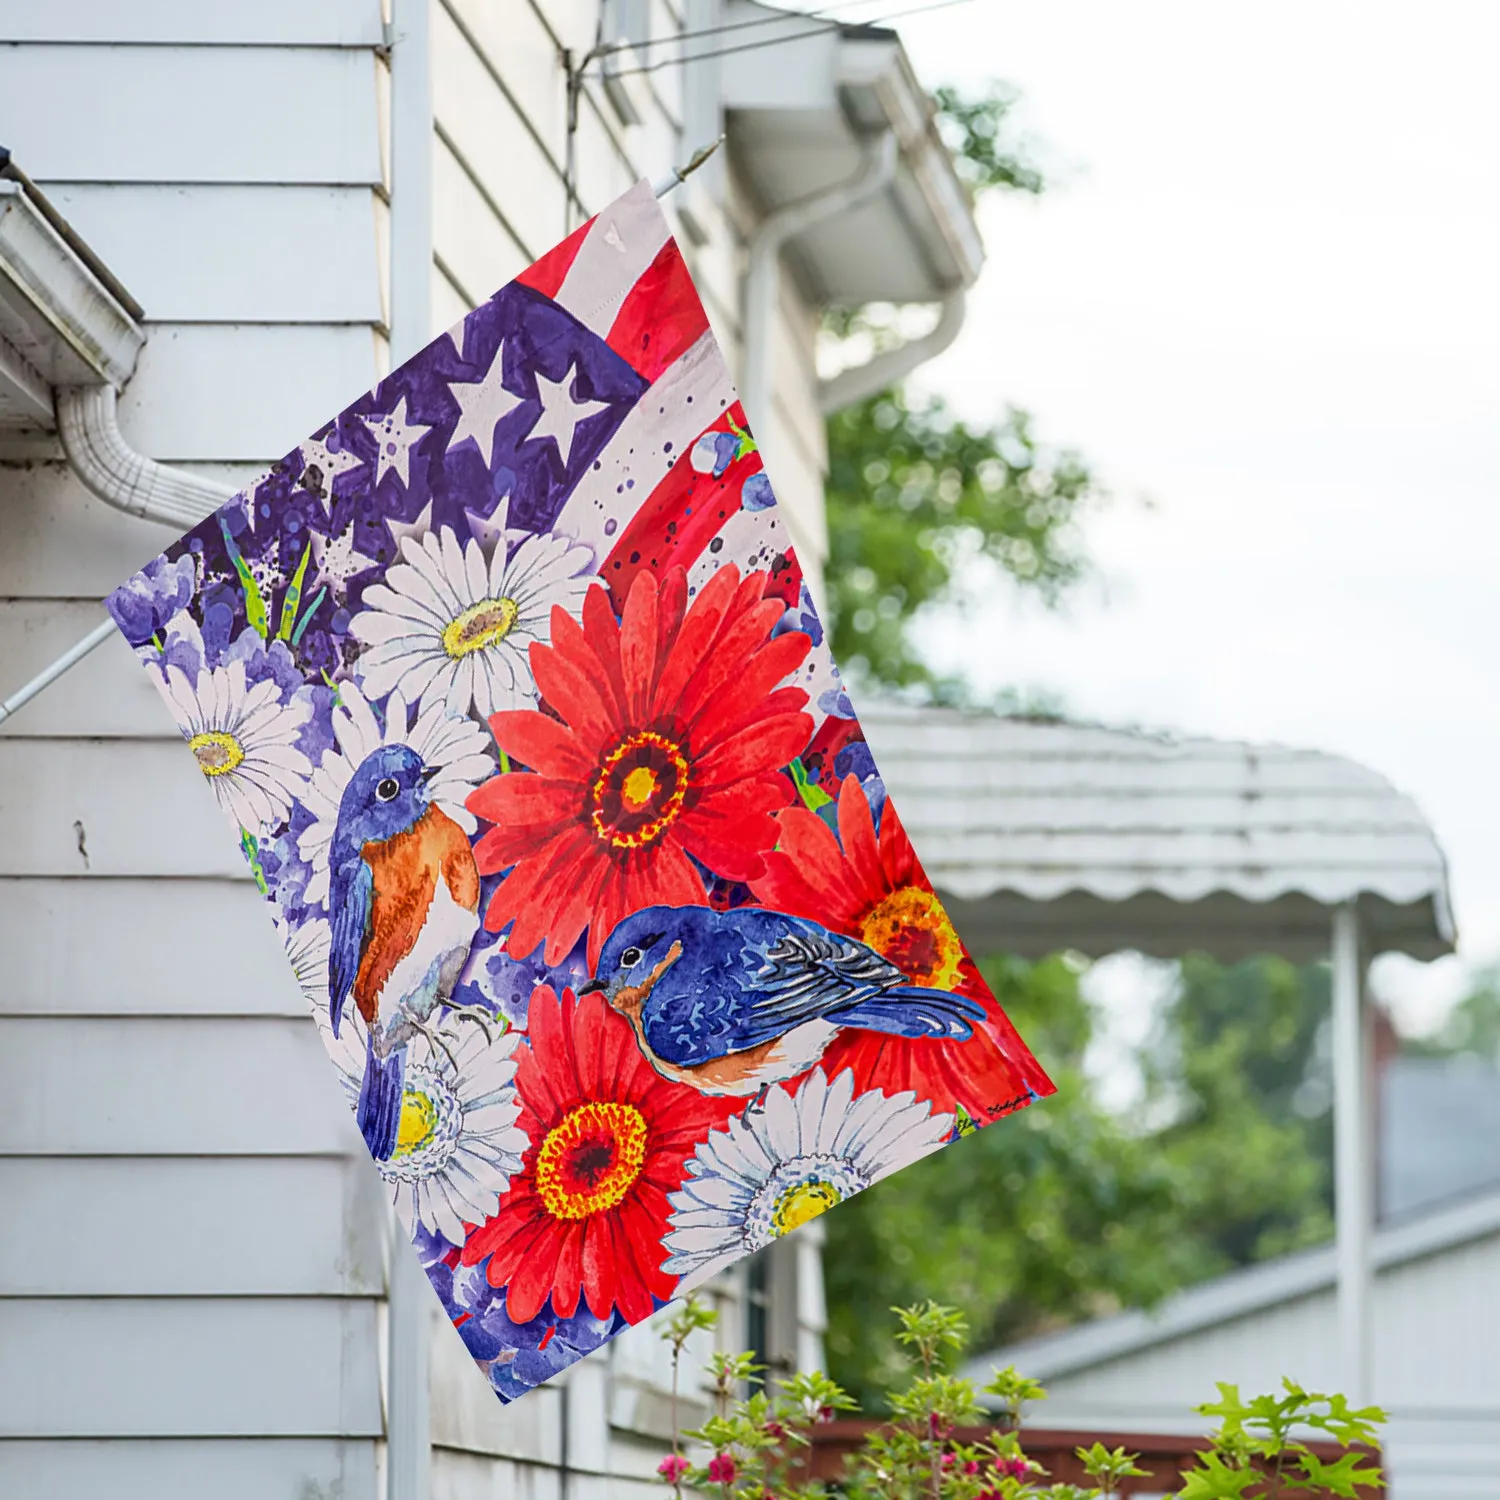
(1353, 1177)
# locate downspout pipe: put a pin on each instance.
(886, 369)
(88, 422)
(763, 273)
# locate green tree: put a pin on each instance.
(1065, 1211)
(1236, 1061)
(921, 505)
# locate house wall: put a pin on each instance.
(192, 1254)
(193, 1243)
(1436, 1370)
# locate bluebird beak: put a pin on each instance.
(593, 987)
(426, 774)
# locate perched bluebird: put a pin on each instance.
(404, 904)
(732, 1002)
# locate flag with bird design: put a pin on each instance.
(514, 696)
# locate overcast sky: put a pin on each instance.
(1262, 293)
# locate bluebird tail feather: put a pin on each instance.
(379, 1111)
(915, 1013)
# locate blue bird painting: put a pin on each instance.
(732, 1002)
(404, 904)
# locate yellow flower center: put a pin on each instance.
(638, 786)
(803, 1202)
(218, 753)
(910, 928)
(418, 1121)
(484, 624)
(639, 790)
(590, 1161)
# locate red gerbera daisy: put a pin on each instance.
(610, 1139)
(875, 890)
(668, 740)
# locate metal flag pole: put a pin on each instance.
(106, 628)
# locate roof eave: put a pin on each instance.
(59, 324)
(881, 64)
(807, 104)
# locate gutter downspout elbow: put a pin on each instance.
(862, 381)
(88, 422)
(762, 274)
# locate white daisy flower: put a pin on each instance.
(446, 626)
(243, 737)
(775, 1168)
(308, 948)
(458, 747)
(457, 1142)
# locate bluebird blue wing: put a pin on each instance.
(758, 975)
(351, 899)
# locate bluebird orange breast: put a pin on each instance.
(405, 871)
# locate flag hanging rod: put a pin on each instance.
(48, 675)
(106, 628)
(680, 175)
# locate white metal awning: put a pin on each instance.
(1049, 835)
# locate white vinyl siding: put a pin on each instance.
(192, 1260)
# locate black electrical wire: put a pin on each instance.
(777, 41)
(687, 36)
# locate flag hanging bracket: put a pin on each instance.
(679, 175)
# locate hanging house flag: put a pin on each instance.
(510, 688)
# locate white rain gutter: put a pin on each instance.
(886, 369)
(763, 274)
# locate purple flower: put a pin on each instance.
(160, 590)
(503, 983)
(516, 1356)
(714, 452)
(803, 616)
(756, 493)
(855, 760)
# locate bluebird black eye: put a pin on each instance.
(630, 958)
(386, 788)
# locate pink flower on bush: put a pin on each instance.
(722, 1469)
(673, 1467)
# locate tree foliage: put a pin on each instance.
(925, 509)
(1067, 1211)
(915, 496)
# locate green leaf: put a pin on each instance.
(250, 848)
(1215, 1480)
(1109, 1465)
(308, 613)
(1345, 1477)
(255, 605)
(1346, 1426)
(293, 600)
(812, 795)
